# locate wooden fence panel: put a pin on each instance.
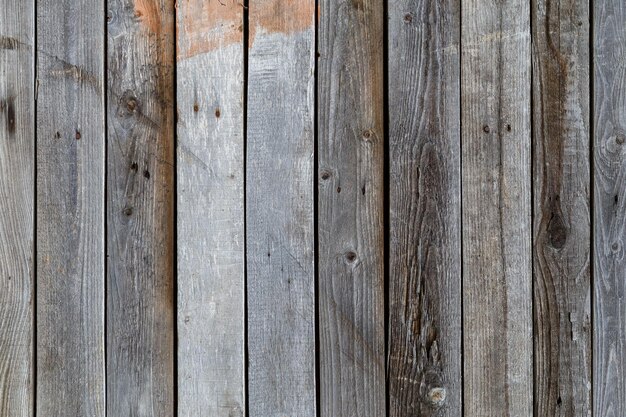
(17, 169)
(425, 209)
(211, 235)
(140, 208)
(609, 220)
(279, 201)
(351, 208)
(70, 208)
(496, 181)
(562, 232)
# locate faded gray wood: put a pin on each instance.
(609, 339)
(425, 209)
(70, 208)
(279, 200)
(140, 208)
(496, 183)
(351, 208)
(211, 235)
(17, 168)
(561, 248)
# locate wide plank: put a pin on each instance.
(425, 209)
(210, 209)
(496, 184)
(351, 146)
(609, 213)
(562, 230)
(280, 208)
(140, 208)
(17, 211)
(70, 208)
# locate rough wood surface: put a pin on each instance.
(561, 248)
(211, 236)
(279, 200)
(609, 340)
(140, 208)
(496, 183)
(425, 209)
(351, 208)
(17, 148)
(70, 208)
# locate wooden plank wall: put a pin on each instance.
(312, 208)
(351, 139)
(17, 181)
(70, 215)
(140, 207)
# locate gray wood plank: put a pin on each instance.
(280, 206)
(351, 208)
(496, 184)
(70, 208)
(562, 232)
(425, 209)
(17, 211)
(609, 220)
(140, 208)
(211, 235)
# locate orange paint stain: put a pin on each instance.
(149, 14)
(206, 25)
(281, 16)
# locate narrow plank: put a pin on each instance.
(279, 209)
(562, 231)
(140, 208)
(425, 209)
(609, 220)
(351, 208)
(211, 235)
(70, 208)
(17, 211)
(496, 183)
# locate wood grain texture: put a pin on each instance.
(351, 208)
(562, 231)
(609, 308)
(496, 183)
(70, 208)
(425, 209)
(140, 208)
(279, 201)
(17, 182)
(211, 235)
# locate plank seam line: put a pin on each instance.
(246, 44)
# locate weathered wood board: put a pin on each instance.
(140, 208)
(210, 193)
(425, 209)
(561, 181)
(70, 208)
(280, 209)
(496, 184)
(17, 182)
(351, 138)
(609, 212)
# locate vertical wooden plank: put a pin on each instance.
(562, 229)
(140, 208)
(496, 183)
(609, 322)
(17, 168)
(351, 208)
(425, 209)
(70, 208)
(211, 235)
(279, 200)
